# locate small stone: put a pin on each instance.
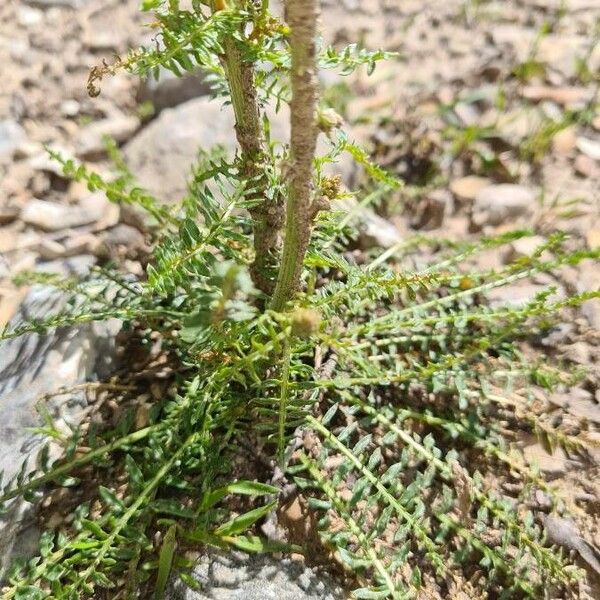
(584, 165)
(552, 465)
(50, 249)
(590, 309)
(564, 141)
(91, 141)
(498, 204)
(467, 188)
(582, 405)
(12, 135)
(560, 334)
(589, 147)
(436, 205)
(514, 296)
(70, 108)
(54, 216)
(467, 113)
(592, 238)
(565, 96)
(578, 353)
(29, 17)
(526, 246)
(8, 213)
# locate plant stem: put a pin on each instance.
(283, 401)
(267, 216)
(302, 16)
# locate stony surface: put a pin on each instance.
(473, 114)
(32, 367)
(241, 577)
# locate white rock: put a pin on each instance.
(501, 204)
(12, 135)
(589, 147)
(54, 216)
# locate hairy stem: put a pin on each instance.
(267, 216)
(302, 16)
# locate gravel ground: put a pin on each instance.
(489, 112)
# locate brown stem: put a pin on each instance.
(267, 216)
(302, 17)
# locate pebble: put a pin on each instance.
(578, 353)
(120, 128)
(514, 296)
(55, 216)
(564, 141)
(467, 188)
(589, 147)
(70, 108)
(584, 165)
(12, 135)
(552, 465)
(500, 204)
(526, 246)
(8, 213)
(569, 97)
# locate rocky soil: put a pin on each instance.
(489, 113)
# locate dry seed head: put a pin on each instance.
(305, 322)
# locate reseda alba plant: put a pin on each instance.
(367, 389)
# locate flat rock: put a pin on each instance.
(34, 365)
(161, 155)
(56, 216)
(237, 576)
(120, 128)
(170, 90)
(552, 465)
(498, 204)
(514, 296)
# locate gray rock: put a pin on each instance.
(162, 154)
(517, 295)
(118, 127)
(170, 90)
(498, 204)
(237, 576)
(11, 136)
(55, 216)
(34, 365)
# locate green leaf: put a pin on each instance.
(110, 499)
(244, 487)
(258, 545)
(165, 562)
(245, 521)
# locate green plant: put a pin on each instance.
(373, 386)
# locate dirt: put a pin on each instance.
(480, 96)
